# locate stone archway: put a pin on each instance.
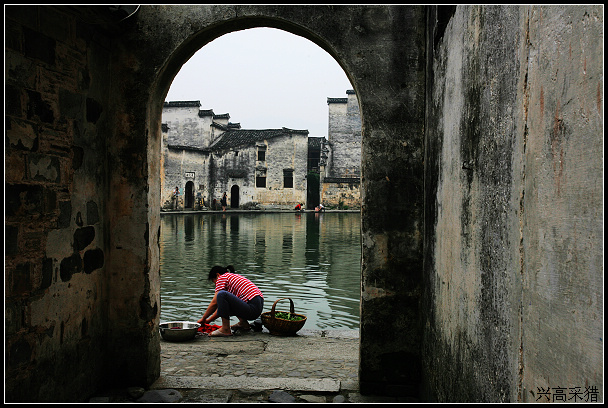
(386, 70)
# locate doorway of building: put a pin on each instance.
(189, 195)
(313, 193)
(234, 197)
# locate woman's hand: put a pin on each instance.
(211, 312)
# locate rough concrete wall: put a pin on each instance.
(562, 220)
(513, 158)
(56, 249)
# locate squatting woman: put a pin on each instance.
(235, 295)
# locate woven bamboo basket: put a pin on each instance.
(282, 327)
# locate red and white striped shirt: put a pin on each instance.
(238, 285)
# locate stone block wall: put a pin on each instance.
(341, 193)
(57, 105)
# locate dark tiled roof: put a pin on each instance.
(337, 100)
(182, 104)
(190, 148)
(350, 92)
(221, 116)
(243, 137)
(219, 126)
(205, 112)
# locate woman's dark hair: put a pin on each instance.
(219, 269)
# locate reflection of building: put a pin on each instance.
(205, 155)
(341, 156)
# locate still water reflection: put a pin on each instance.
(314, 259)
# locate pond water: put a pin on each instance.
(314, 259)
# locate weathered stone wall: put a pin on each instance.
(56, 248)
(341, 193)
(514, 158)
(344, 135)
(185, 126)
(289, 152)
(344, 162)
(181, 166)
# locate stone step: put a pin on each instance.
(248, 383)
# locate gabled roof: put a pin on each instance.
(205, 112)
(246, 137)
(182, 104)
(219, 126)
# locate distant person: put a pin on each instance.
(235, 295)
(298, 207)
(320, 208)
(174, 197)
(224, 201)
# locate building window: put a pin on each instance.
(261, 153)
(287, 178)
(260, 178)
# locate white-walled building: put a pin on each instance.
(205, 155)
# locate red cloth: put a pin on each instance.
(208, 328)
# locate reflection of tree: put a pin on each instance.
(312, 240)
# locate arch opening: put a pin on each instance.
(202, 39)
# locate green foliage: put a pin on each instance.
(286, 316)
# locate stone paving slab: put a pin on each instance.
(249, 383)
(309, 355)
(315, 366)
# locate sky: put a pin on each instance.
(264, 78)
